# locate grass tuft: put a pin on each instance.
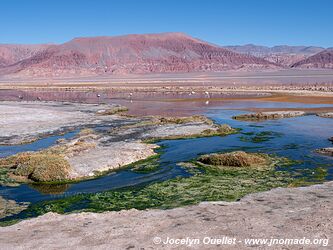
(40, 166)
(234, 159)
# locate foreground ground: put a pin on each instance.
(280, 213)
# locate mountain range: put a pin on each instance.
(151, 53)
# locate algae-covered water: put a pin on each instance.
(295, 138)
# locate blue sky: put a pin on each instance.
(266, 22)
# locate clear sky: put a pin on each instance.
(266, 22)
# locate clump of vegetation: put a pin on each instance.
(5, 180)
(158, 120)
(221, 130)
(48, 165)
(183, 120)
(75, 148)
(112, 111)
(234, 159)
(268, 115)
(39, 166)
(86, 131)
(147, 165)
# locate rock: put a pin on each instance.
(269, 115)
(9, 207)
(326, 115)
(325, 151)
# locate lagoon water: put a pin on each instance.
(295, 138)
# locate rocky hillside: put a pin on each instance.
(13, 53)
(151, 53)
(282, 54)
(322, 60)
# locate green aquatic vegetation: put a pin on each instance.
(306, 177)
(5, 180)
(256, 126)
(291, 146)
(260, 137)
(145, 166)
(248, 133)
(207, 183)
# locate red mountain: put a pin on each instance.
(322, 60)
(151, 53)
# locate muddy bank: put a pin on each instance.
(279, 213)
(269, 115)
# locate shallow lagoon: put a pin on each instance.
(295, 138)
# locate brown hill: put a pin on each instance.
(151, 53)
(322, 60)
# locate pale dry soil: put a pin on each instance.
(278, 213)
(27, 121)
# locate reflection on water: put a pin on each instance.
(50, 188)
(169, 103)
(34, 146)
